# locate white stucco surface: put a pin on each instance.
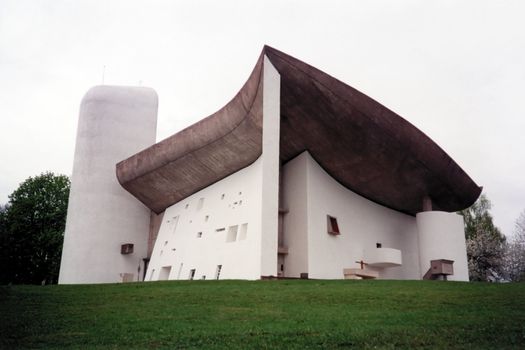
(270, 168)
(247, 247)
(362, 225)
(114, 123)
(442, 236)
(219, 225)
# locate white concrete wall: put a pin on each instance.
(295, 226)
(234, 201)
(270, 169)
(114, 123)
(442, 236)
(362, 223)
(248, 257)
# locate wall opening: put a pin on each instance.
(199, 234)
(378, 245)
(232, 234)
(333, 226)
(174, 222)
(164, 273)
(200, 204)
(218, 272)
(192, 274)
(220, 229)
(244, 232)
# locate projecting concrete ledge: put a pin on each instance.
(362, 144)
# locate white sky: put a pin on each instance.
(455, 69)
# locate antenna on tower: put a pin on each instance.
(103, 73)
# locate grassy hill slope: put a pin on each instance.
(265, 314)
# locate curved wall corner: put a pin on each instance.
(114, 123)
(441, 235)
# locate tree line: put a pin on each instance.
(32, 226)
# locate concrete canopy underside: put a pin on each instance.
(362, 144)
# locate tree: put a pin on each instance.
(485, 242)
(515, 255)
(32, 230)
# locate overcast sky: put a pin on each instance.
(454, 69)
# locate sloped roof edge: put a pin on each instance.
(362, 144)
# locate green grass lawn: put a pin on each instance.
(265, 314)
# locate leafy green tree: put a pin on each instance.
(485, 242)
(32, 230)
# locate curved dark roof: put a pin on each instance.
(365, 146)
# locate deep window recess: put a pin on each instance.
(199, 234)
(232, 233)
(151, 276)
(174, 223)
(333, 227)
(164, 273)
(220, 229)
(244, 232)
(200, 204)
(378, 245)
(218, 272)
(192, 274)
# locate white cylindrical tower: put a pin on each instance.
(441, 235)
(114, 123)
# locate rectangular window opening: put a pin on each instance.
(220, 229)
(199, 234)
(218, 272)
(232, 233)
(151, 275)
(378, 245)
(333, 227)
(164, 273)
(174, 223)
(200, 204)
(192, 274)
(244, 232)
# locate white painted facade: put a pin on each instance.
(264, 220)
(441, 236)
(114, 123)
(196, 233)
(219, 225)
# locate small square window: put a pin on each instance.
(378, 245)
(199, 234)
(333, 226)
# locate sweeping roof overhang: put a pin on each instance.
(362, 144)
